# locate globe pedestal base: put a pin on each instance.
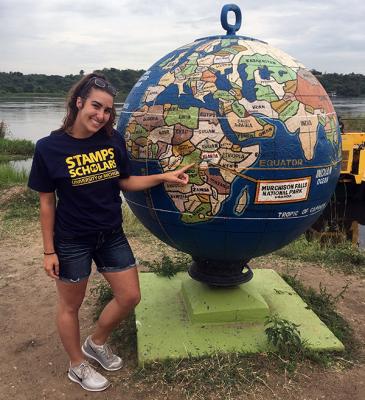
(219, 272)
(181, 318)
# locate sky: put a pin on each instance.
(64, 36)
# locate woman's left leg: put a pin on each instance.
(70, 297)
(126, 291)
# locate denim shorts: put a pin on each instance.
(109, 250)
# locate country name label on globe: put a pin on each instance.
(282, 191)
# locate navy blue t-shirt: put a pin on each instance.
(85, 174)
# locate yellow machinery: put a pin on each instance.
(353, 158)
(341, 218)
(346, 210)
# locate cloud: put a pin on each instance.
(64, 36)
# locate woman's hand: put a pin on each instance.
(51, 265)
(179, 176)
(135, 183)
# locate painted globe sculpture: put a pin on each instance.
(264, 138)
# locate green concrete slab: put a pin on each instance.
(168, 316)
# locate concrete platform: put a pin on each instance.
(180, 317)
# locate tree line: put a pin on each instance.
(19, 83)
(344, 85)
(347, 85)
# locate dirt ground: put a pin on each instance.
(33, 364)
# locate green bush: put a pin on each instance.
(16, 147)
(284, 335)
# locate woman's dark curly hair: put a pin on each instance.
(82, 89)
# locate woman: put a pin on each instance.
(85, 163)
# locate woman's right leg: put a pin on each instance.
(70, 298)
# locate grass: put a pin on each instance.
(323, 304)
(131, 225)
(17, 212)
(343, 256)
(220, 376)
(9, 176)
(19, 147)
(24, 206)
(167, 266)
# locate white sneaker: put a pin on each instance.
(102, 354)
(86, 376)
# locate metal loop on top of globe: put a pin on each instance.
(265, 141)
(231, 29)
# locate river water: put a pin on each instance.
(33, 118)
